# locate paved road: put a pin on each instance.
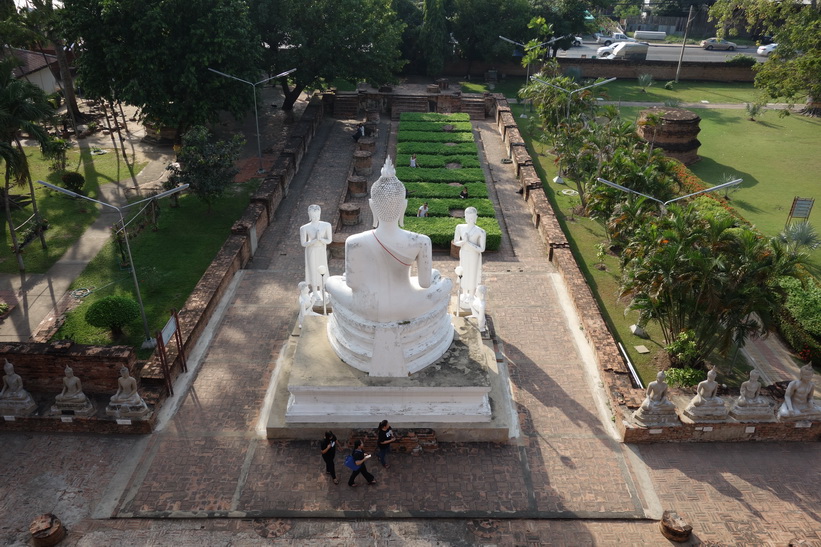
(668, 53)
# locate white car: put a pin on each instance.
(766, 50)
(577, 41)
(605, 51)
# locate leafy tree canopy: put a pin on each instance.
(793, 70)
(156, 55)
(327, 40)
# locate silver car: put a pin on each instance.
(714, 43)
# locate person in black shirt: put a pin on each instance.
(328, 451)
(360, 458)
(386, 437)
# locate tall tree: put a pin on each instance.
(326, 40)
(477, 25)
(156, 55)
(434, 37)
(23, 108)
(793, 70)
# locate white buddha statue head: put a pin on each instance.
(387, 200)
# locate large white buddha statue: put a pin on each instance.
(386, 322)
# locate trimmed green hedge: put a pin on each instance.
(442, 207)
(433, 117)
(420, 174)
(432, 136)
(440, 230)
(428, 190)
(432, 160)
(438, 149)
(455, 127)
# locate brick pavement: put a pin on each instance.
(209, 460)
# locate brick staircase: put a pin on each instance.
(346, 105)
(474, 105)
(408, 104)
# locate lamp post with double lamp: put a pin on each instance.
(527, 48)
(664, 204)
(149, 341)
(256, 114)
(558, 179)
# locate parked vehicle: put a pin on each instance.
(766, 50)
(714, 43)
(614, 38)
(577, 41)
(630, 51)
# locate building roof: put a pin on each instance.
(30, 61)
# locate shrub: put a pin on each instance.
(798, 338)
(113, 312)
(804, 304)
(683, 350)
(457, 127)
(741, 60)
(439, 161)
(443, 207)
(669, 85)
(419, 174)
(685, 377)
(645, 81)
(432, 136)
(440, 230)
(428, 190)
(73, 181)
(440, 149)
(433, 117)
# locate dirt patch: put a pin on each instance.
(453, 165)
(457, 213)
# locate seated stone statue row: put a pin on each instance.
(750, 406)
(126, 402)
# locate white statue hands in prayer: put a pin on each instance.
(315, 238)
(471, 240)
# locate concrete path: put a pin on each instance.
(563, 480)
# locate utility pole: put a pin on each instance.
(684, 43)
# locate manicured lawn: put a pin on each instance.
(68, 218)
(169, 263)
(778, 158)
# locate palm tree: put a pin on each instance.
(23, 106)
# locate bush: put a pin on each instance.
(683, 350)
(799, 339)
(73, 181)
(433, 117)
(432, 136)
(685, 377)
(741, 60)
(420, 174)
(439, 149)
(457, 127)
(443, 207)
(804, 304)
(439, 161)
(440, 230)
(113, 312)
(427, 190)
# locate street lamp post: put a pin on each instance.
(664, 204)
(149, 341)
(256, 115)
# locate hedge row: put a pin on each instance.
(442, 207)
(437, 149)
(432, 117)
(441, 229)
(420, 174)
(807, 347)
(431, 161)
(432, 136)
(455, 127)
(428, 190)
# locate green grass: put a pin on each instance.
(684, 91)
(778, 158)
(68, 218)
(169, 263)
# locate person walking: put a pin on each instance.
(328, 451)
(359, 458)
(384, 440)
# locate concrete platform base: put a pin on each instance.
(463, 397)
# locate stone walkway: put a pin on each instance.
(563, 479)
